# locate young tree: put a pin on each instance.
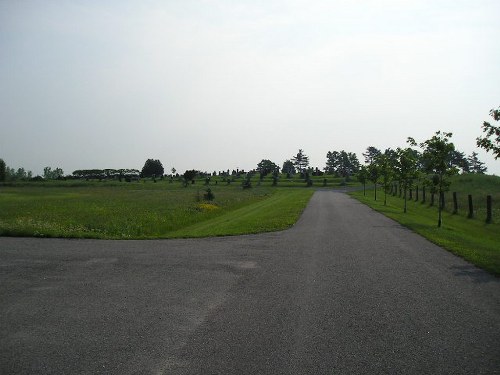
(436, 158)
(152, 168)
(406, 170)
(491, 140)
(386, 168)
(300, 161)
(374, 175)
(362, 177)
(476, 165)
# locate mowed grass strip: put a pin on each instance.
(472, 239)
(125, 211)
(278, 212)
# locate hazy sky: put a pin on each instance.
(213, 85)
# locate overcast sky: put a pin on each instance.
(215, 85)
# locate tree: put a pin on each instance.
(342, 163)
(3, 172)
(436, 158)
(386, 168)
(173, 170)
(374, 175)
(152, 168)
(189, 175)
(476, 165)
(459, 160)
(288, 167)
(362, 177)
(371, 154)
(50, 174)
(266, 166)
(406, 170)
(300, 161)
(491, 140)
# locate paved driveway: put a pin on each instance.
(345, 291)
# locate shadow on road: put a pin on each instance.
(475, 274)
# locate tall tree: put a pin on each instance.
(3, 170)
(300, 161)
(288, 167)
(342, 163)
(491, 140)
(476, 165)
(459, 160)
(266, 166)
(371, 154)
(436, 157)
(152, 168)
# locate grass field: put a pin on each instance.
(472, 239)
(143, 210)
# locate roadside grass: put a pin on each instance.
(471, 239)
(141, 210)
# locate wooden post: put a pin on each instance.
(489, 210)
(455, 203)
(471, 208)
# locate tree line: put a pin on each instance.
(339, 163)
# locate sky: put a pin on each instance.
(223, 84)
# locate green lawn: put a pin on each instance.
(142, 210)
(472, 239)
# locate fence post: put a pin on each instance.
(455, 203)
(489, 215)
(471, 208)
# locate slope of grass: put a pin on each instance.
(110, 210)
(472, 239)
(277, 212)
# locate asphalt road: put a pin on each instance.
(345, 291)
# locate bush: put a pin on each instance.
(209, 196)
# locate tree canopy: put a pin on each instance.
(300, 161)
(490, 141)
(266, 166)
(152, 168)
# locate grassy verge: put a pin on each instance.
(277, 212)
(472, 239)
(144, 210)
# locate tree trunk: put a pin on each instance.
(405, 201)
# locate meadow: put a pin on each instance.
(146, 210)
(471, 238)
